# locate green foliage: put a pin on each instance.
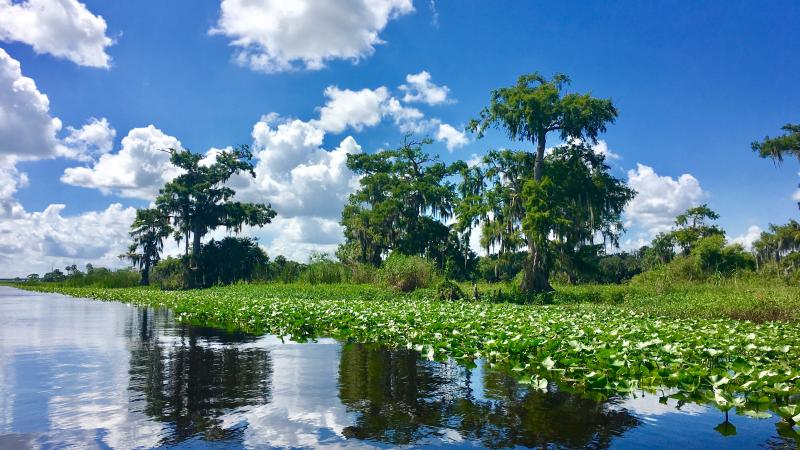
(561, 214)
(779, 147)
(692, 226)
(528, 111)
(230, 260)
(171, 274)
(403, 194)
(779, 248)
(447, 290)
(104, 278)
(711, 256)
(99, 277)
(406, 273)
(198, 200)
(282, 270)
(500, 267)
(362, 273)
(323, 270)
(617, 268)
(54, 276)
(148, 231)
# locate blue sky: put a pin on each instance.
(694, 84)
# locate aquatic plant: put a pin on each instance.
(597, 348)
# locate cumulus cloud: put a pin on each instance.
(451, 137)
(747, 239)
(137, 170)
(27, 130)
(33, 242)
(276, 35)
(356, 109)
(11, 180)
(62, 28)
(295, 173)
(420, 89)
(601, 148)
(91, 141)
(659, 199)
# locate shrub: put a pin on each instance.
(323, 270)
(711, 256)
(504, 267)
(448, 290)
(170, 274)
(363, 273)
(406, 273)
(230, 260)
(105, 278)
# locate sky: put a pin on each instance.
(91, 92)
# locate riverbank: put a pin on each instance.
(615, 344)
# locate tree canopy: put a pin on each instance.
(782, 146)
(403, 194)
(528, 111)
(198, 200)
(148, 231)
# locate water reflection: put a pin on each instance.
(402, 399)
(190, 377)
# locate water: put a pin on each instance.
(79, 373)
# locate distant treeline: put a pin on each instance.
(543, 214)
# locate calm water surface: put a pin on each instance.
(77, 373)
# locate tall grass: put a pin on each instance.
(407, 273)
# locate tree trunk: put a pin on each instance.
(145, 281)
(535, 278)
(537, 166)
(196, 243)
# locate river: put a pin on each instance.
(78, 373)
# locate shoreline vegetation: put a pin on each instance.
(599, 340)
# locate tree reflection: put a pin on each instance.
(402, 399)
(187, 377)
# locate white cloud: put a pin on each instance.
(35, 242)
(474, 160)
(62, 28)
(345, 108)
(796, 195)
(407, 119)
(659, 199)
(276, 35)
(27, 130)
(138, 170)
(747, 239)
(420, 89)
(91, 141)
(601, 148)
(355, 109)
(11, 179)
(451, 137)
(297, 175)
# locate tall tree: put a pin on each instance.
(198, 200)
(529, 111)
(575, 201)
(148, 231)
(404, 195)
